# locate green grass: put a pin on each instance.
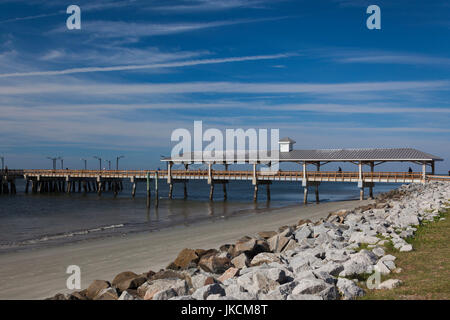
(426, 269)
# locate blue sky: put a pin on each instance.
(137, 70)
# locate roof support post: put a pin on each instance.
(372, 165)
(254, 181)
(424, 171)
(360, 170)
(305, 177)
(156, 190)
(169, 172)
(209, 173)
(432, 167)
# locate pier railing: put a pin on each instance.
(331, 176)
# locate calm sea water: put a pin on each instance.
(37, 220)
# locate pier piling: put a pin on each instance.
(148, 190)
(156, 190)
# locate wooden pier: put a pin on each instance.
(98, 181)
(40, 181)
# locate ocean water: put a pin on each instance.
(38, 220)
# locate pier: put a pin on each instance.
(218, 173)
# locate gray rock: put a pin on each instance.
(310, 286)
(382, 268)
(126, 296)
(390, 284)
(388, 257)
(304, 297)
(332, 268)
(390, 264)
(303, 233)
(406, 248)
(182, 298)
(302, 262)
(238, 292)
(329, 293)
(219, 297)
(361, 237)
(378, 251)
(264, 257)
(205, 291)
(241, 261)
(348, 289)
(107, 294)
(279, 293)
(308, 274)
(359, 263)
(165, 294)
(325, 276)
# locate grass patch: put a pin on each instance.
(426, 269)
(363, 246)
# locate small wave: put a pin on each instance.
(62, 236)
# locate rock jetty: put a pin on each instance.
(320, 260)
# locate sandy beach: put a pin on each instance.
(41, 273)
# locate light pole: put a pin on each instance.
(100, 160)
(109, 164)
(85, 163)
(3, 162)
(62, 163)
(54, 161)
(117, 161)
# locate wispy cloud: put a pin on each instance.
(38, 16)
(376, 56)
(212, 5)
(397, 59)
(120, 29)
(93, 88)
(145, 66)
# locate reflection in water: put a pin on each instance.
(210, 209)
(31, 220)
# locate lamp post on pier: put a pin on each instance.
(3, 162)
(117, 162)
(54, 161)
(109, 164)
(62, 163)
(85, 163)
(100, 160)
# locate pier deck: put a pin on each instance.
(57, 181)
(319, 176)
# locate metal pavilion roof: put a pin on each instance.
(365, 154)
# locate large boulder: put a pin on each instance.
(107, 294)
(95, 287)
(390, 284)
(264, 257)
(239, 293)
(262, 280)
(244, 245)
(348, 289)
(187, 258)
(303, 233)
(359, 263)
(240, 261)
(203, 292)
(310, 286)
(214, 262)
(127, 280)
(168, 274)
(277, 243)
(153, 287)
(267, 234)
(230, 273)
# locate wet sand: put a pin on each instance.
(41, 273)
